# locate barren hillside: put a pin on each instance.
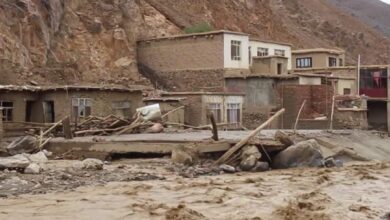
(375, 13)
(80, 41)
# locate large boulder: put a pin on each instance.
(39, 157)
(250, 155)
(26, 144)
(303, 154)
(185, 155)
(14, 162)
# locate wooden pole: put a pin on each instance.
(66, 128)
(240, 144)
(51, 128)
(173, 110)
(299, 114)
(210, 115)
(332, 114)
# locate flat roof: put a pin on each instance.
(193, 35)
(71, 87)
(268, 57)
(203, 93)
(269, 76)
(318, 50)
(257, 39)
(164, 99)
(321, 75)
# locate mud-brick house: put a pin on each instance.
(199, 62)
(48, 104)
(226, 107)
(172, 105)
(317, 58)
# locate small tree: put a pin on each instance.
(199, 28)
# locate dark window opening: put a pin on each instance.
(29, 109)
(341, 62)
(48, 112)
(8, 108)
(347, 91)
(332, 62)
(216, 109)
(236, 50)
(279, 69)
(373, 82)
(305, 62)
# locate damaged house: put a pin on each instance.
(36, 104)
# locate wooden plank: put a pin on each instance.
(144, 147)
(245, 140)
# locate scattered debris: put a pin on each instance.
(250, 155)
(284, 138)
(26, 144)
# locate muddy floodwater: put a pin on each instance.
(152, 189)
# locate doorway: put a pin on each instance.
(377, 115)
(48, 112)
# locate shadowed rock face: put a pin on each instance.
(74, 41)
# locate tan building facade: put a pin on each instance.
(269, 65)
(317, 58)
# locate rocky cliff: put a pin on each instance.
(94, 41)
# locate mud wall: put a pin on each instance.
(173, 54)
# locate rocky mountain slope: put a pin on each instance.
(94, 41)
(375, 13)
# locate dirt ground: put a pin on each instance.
(152, 189)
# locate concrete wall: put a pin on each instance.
(303, 80)
(319, 59)
(173, 54)
(271, 49)
(261, 97)
(268, 65)
(236, 64)
(346, 84)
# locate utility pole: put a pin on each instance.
(358, 76)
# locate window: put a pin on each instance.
(279, 52)
(262, 52)
(304, 62)
(279, 68)
(332, 62)
(233, 113)
(122, 109)
(341, 63)
(81, 107)
(216, 109)
(7, 110)
(346, 91)
(236, 49)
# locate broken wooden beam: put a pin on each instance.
(210, 115)
(245, 140)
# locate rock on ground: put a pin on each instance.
(32, 169)
(185, 155)
(92, 164)
(249, 157)
(155, 128)
(303, 154)
(26, 144)
(39, 157)
(14, 162)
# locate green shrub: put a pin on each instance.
(199, 28)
